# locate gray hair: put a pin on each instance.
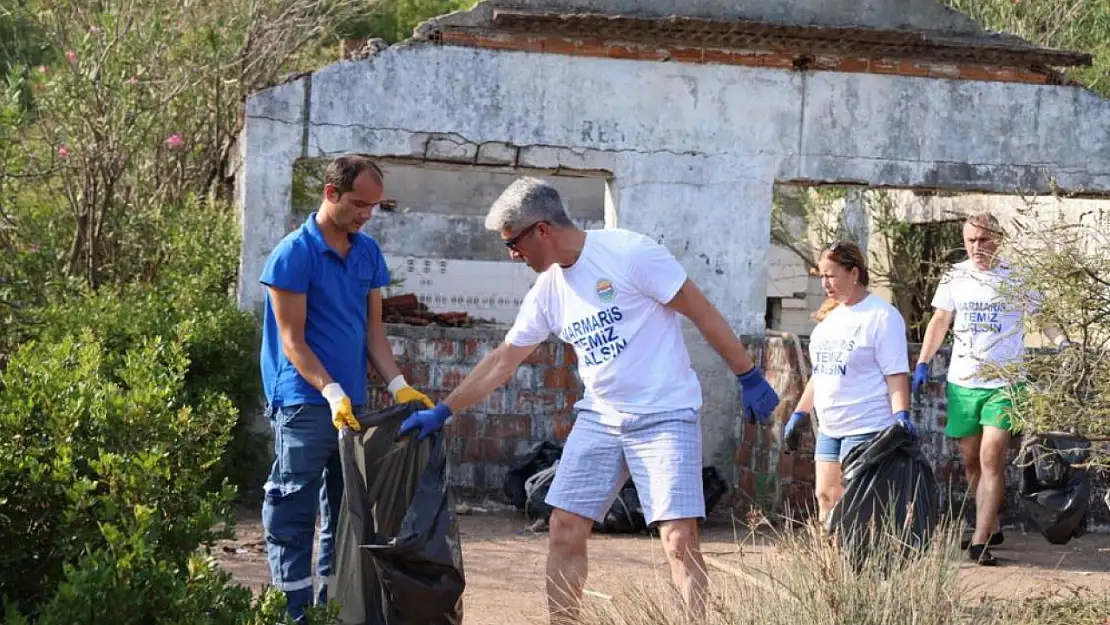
(524, 202)
(986, 221)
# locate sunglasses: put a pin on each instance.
(512, 243)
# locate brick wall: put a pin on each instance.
(536, 404)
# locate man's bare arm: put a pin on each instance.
(493, 371)
(934, 334)
(691, 303)
(289, 311)
(378, 349)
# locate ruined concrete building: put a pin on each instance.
(675, 119)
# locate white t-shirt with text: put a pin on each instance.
(610, 306)
(986, 328)
(852, 351)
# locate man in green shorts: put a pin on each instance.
(988, 332)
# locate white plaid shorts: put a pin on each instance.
(660, 451)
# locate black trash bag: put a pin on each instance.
(714, 486)
(626, 515)
(885, 480)
(542, 456)
(398, 560)
(1057, 493)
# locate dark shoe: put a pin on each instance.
(995, 540)
(980, 555)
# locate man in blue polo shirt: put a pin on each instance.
(322, 324)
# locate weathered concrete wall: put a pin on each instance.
(691, 151)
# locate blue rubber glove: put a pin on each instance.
(920, 376)
(427, 421)
(759, 399)
(904, 417)
(790, 433)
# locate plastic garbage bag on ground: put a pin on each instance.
(398, 560)
(1056, 492)
(890, 494)
(543, 455)
(527, 483)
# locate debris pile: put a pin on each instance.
(408, 309)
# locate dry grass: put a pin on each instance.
(807, 580)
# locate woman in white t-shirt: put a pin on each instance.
(859, 384)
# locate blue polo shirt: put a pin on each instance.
(337, 289)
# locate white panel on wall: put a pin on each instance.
(486, 289)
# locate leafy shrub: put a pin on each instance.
(186, 302)
(89, 441)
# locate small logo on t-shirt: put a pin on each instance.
(605, 290)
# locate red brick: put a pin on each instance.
(481, 450)
(804, 470)
(540, 356)
(826, 63)
(570, 357)
(786, 466)
(687, 55)
(558, 378)
(884, 66)
(440, 350)
(784, 61)
(749, 434)
(942, 70)
(591, 47)
(1003, 73)
(457, 38)
(852, 64)
(744, 455)
(463, 426)
(728, 57)
(1030, 77)
(909, 68)
(417, 374)
(559, 45)
(528, 403)
(745, 482)
(624, 52)
(975, 72)
(509, 427)
(562, 421)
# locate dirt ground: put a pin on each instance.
(504, 563)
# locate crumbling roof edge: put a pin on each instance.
(486, 18)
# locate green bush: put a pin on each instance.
(89, 442)
(126, 582)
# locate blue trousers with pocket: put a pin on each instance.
(306, 477)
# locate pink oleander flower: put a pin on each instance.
(174, 141)
(42, 69)
(71, 56)
(63, 151)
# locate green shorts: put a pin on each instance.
(969, 409)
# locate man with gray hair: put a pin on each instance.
(988, 332)
(616, 296)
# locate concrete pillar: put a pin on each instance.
(273, 138)
(714, 214)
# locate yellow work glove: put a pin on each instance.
(341, 413)
(403, 393)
